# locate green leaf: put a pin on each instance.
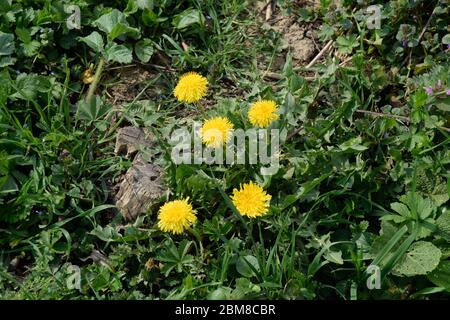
(118, 53)
(187, 18)
(28, 86)
(401, 209)
(421, 258)
(353, 144)
(334, 257)
(123, 29)
(443, 104)
(443, 224)
(7, 61)
(23, 35)
(114, 24)
(31, 48)
(446, 39)
(93, 111)
(144, 50)
(6, 43)
(94, 41)
(389, 239)
(242, 265)
(441, 275)
(107, 21)
(432, 186)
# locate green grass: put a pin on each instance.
(364, 163)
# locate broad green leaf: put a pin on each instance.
(94, 41)
(119, 53)
(421, 258)
(114, 24)
(30, 48)
(144, 50)
(401, 209)
(443, 224)
(122, 29)
(107, 21)
(23, 35)
(28, 86)
(6, 43)
(93, 111)
(432, 186)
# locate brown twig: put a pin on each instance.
(293, 133)
(420, 36)
(394, 116)
(269, 10)
(278, 76)
(320, 54)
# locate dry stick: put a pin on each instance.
(386, 115)
(421, 35)
(290, 136)
(394, 116)
(277, 76)
(313, 61)
(345, 61)
(269, 10)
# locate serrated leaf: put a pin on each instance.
(94, 41)
(28, 85)
(421, 258)
(119, 53)
(92, 111)
(6, 43)
(7, 61)
(401, 209)
(30, 48)
(144, 50)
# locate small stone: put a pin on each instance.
(142, 186)
(130, 139)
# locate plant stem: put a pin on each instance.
(94, 83)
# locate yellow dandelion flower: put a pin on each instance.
(262, 113)
(216, 131)
(191, 87)
(176, 216)
(251, 200)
